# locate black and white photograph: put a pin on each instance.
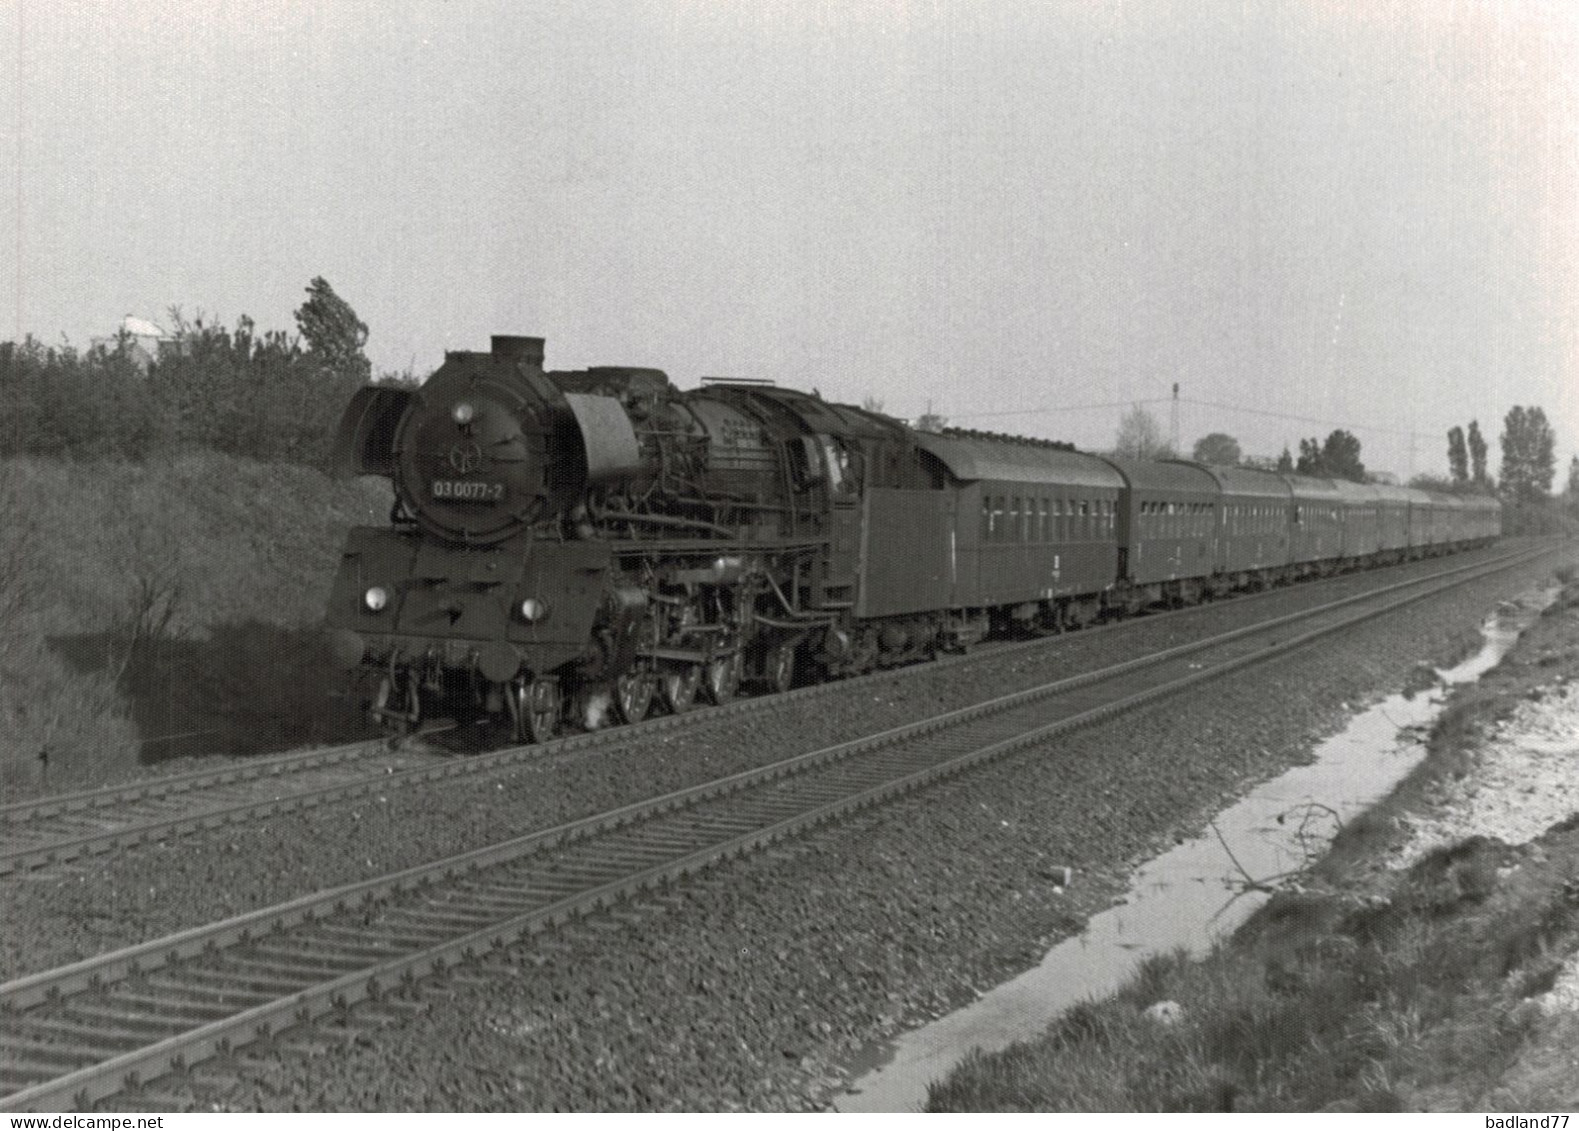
(789, 556)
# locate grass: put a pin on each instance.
(1322, 1002)
(142, 601)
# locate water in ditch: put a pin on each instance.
(1191, 895)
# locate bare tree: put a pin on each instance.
(1140, 436)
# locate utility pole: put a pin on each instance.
(1173, 423)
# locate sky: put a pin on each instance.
(1027, 216)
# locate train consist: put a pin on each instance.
(563, 544)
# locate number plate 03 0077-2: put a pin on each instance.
(467, 491)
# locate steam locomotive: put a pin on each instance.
(570, 544)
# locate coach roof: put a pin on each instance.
(1243, 482)
(971, 458)
(1174, 478)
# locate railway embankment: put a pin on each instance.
(164, 610)
(1429, 961)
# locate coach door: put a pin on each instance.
(844, 524)
(824, 472)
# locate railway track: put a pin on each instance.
(84, 1031)
(53, 830)
(64, 827)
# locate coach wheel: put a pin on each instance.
(633, 692)
(781, 668)
(722, 678)
(680, 685)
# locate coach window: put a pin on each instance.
(986, 517)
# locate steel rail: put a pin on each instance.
(49, 805)
(86, 823)
(288, 964)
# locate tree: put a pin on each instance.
(1529, 460)
(1219, 448)
(1338, 457)
(1457, 455)
(1285, 462)
(1477, 456)
(333, 333)
(1140, 436)
(1573, 484)
(1310, 461)
(930, 421)
(1341, 454)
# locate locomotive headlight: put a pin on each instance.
(532, 610)
(463, 413)
(375, 599)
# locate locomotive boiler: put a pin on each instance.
(592, 540)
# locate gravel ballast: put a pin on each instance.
(757, 987)
(74, 911)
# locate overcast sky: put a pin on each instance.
(1358, 212)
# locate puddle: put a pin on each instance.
(1191, 895)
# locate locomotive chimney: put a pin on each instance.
(508, 347)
